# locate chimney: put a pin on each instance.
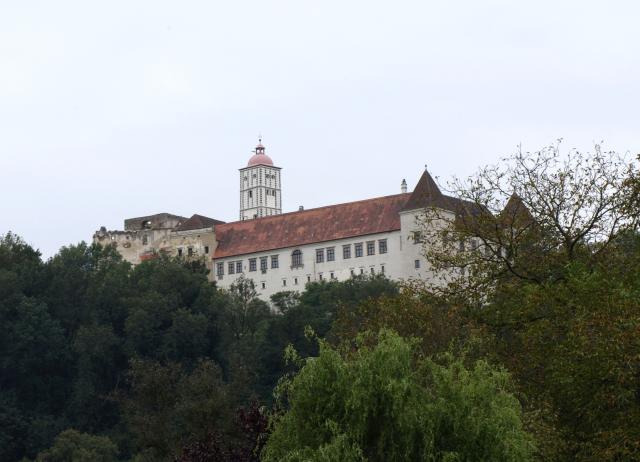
(301, 208)
(403, 187)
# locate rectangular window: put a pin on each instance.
(417, 264)
(253, 266)
(308, 278)
(190, 251)
(239, 267)
(274, 261)
(373, 271)
(263, 264)
(206, 249)
(382, 269)
(358, 248)
(353, 273)
(284, 283)
(382, 246)
(220, 269)
(179, 252)
(264, 285)
(332, 275)
(417, 237)
(295, 281)
(320, 275)
(331, 253)
(232, 267)
(346, 251)
(361, 270)
(319, 255)
(371, 248)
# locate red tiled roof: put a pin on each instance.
(371, 216)
(197, 222)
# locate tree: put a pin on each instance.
(385, 403)
(73, 446)
(543, 254)
(527, 218)
(245, 445)
(168, 406)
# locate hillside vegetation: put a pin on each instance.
(529, 349)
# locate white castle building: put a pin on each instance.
(284, 251)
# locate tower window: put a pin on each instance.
(250, 194)
(417, 264)
(296, 259)
(206, 249)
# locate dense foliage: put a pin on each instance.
(527, 347)
(153, 359)
(386, 403)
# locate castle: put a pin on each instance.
(284, 251)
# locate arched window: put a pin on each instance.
(296, 259)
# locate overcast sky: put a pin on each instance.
(118, 109)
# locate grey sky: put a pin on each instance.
(125, 108)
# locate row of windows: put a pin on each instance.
(190, 251)
(234, 267)
(346, 250)
(296, 257)
(332, 276)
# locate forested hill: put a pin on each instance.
(149, 357)
(527, 348)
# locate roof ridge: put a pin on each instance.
(321, 207)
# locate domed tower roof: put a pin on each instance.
(259, 158)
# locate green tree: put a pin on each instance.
(543, 254)
(73, 446)
(168, 406)
(385, 403)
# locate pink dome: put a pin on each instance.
(259, 158)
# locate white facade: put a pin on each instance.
(393, 254)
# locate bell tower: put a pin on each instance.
(260, 187)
